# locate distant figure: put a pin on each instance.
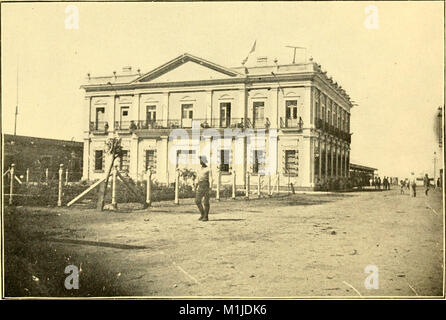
(438, 183)
(402, 185)
(385, 182)
(426, 184)
(413, 185)
(371, 182)
(376, 183)
(379, 183)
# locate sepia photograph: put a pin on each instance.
(223, 150)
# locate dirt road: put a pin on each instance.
(292, 246)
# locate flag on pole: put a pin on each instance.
(252, 50)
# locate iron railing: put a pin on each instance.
(291, 123)
(99, 126)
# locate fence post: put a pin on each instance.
(114, 184)
(217, 196)
(46, 175)
(269, 185)
(27, 176)
(234, 186)
(258, 184)
(149, 188)
(278, 183)
(177, 187)
(66, 176)
(247, 186)
(59, 198)
(11, 186)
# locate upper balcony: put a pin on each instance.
(328, 128)
(102, 127)
(291, 123)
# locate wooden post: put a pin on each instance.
(217, 196)
(258, 184)
(278, 183)
(234, 185)
(59, 198)
(27, 176)
(247, 186)
(177, 187)
(269, 185)
(289, 177)
(66, 176)
(11, 186)
(114, 185)
(149, 188)
(46, 175)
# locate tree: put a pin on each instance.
(113, 148)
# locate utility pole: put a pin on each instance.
(294, 55)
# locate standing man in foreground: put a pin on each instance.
(202, 190)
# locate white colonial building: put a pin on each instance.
(299, 117)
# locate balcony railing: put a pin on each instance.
(233, 123)
(124, 125)
(99, 126)
(291, 123)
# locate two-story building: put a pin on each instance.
(291, 119)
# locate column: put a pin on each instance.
(305, 162)
(86, 151)
(111, 112)
(320, 159)
(165, 108)
(136, 108)
(86, 160)
(208, 113)
(274, 110)
(87, 115)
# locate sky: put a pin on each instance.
(394, 72)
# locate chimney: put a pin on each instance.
(262, 61)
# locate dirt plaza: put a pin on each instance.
(301, 245)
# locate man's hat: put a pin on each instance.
(204, 159)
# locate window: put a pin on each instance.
(258, 161)
(151, 114)
(124, 161)
(186, 115)
(98, 160)
(99, 118)
(225, 114)
(224, 160)
(291, 162)
(291, 109)
(259, 113)
(184, 157)
(150, 161)
(187, 112)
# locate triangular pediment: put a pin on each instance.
(188, 68)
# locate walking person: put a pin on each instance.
(402, 184)
(379, 183)
(426, 184)
(202, 190)
(413, 185)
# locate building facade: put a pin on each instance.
(293, 119)
(41, 154)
